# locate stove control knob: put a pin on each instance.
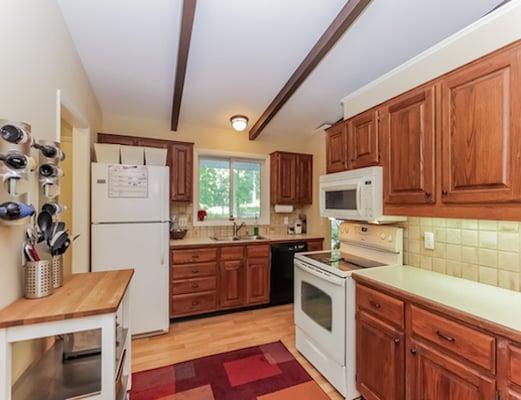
(382, 236)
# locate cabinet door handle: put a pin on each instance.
(195, 285)
(396, 340)
(195, 271)
(374, 304)
(428, 194)
(445, 337)
(195, 303)
(195, 255)
(414, 350)
(444, 193)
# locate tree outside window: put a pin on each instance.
(229, 186)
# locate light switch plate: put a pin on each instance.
(286, 220)
(428, 240)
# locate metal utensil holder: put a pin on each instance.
(38, 280)
(57, 271)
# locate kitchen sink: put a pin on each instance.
(237, 238)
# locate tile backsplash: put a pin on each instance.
(479, 250)
(276, 226)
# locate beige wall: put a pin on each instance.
(38, 58)
(229, 140)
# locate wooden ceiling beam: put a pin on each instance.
(185, 36)
(338, 27)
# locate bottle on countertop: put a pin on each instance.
(298, 227)
(256, 226)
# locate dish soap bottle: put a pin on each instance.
(256, 226)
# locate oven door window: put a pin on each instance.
(317, 305)
(341, 199)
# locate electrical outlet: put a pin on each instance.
(286, 221)
(428, 240)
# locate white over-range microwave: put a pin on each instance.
(354, 195)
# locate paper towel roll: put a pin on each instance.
(279, 208)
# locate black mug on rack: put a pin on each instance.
(50, 171)
(12, 211)
(50, 151)
(14, 134)
(17, 161)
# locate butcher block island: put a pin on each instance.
(436, 336)
(86, 302)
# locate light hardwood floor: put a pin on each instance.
(202, 337)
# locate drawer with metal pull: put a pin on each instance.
(184, 286)
(186, 304)
(471, 344)
(193, 270)
(387, 308)
(193, 256)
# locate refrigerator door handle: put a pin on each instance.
(161, 247)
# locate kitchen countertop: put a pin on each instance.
(198, 242)
(82, 295)
(498, 306)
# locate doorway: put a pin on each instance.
(66, 194)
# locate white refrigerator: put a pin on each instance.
(130, 229)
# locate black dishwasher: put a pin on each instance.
(281, 291)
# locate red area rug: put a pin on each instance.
(267, 372)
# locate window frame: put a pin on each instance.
(264, 218)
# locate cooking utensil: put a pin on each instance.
(61, 250)
(45, 224)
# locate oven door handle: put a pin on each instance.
(319, 274)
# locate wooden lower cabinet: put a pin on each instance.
(217, 278)
(435, 375)
(257, 281)
(232, 283)
(383, 350)
(509, 366)
(437, 355)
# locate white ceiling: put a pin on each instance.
(242, 53)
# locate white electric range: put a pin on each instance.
(325, 298)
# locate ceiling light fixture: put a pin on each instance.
(239, 122)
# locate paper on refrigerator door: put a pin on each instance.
(128, 181)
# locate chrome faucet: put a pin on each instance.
(236, 229)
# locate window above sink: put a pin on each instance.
(231, 184)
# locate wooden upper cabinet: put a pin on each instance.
(179, 159)
(291, 178)
(363, 140)
(379, 347)
(407, 127)
(117, 139)
(480, 131)
(336, 148)
(181, 171)
(304, 178)
(432, 374)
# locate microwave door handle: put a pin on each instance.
(359, 198)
